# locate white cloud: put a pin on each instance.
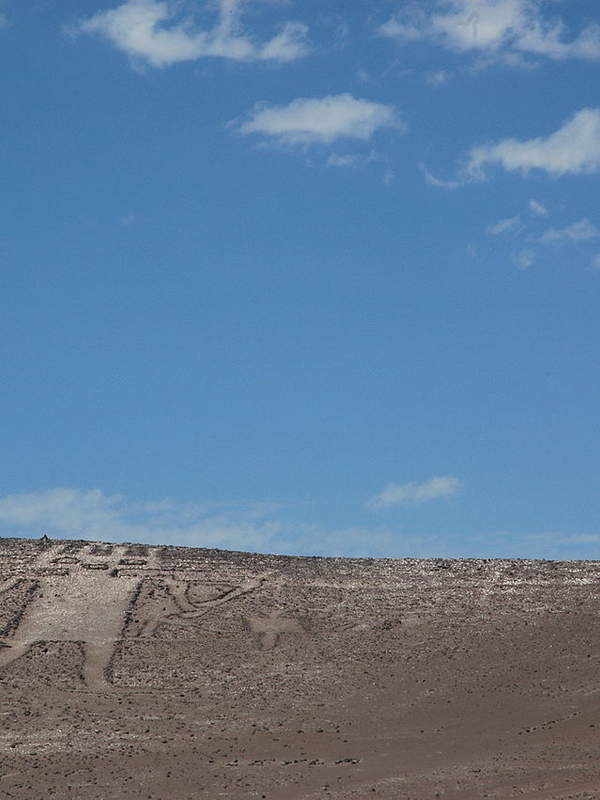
(438, 77)
(347, 160)
(496, 28)
(396, 494)
(548, 40)
(596, 262)
(523, 259)
(573, 149)
(581, 231)
(439, 183)
(326, 119)
(92, 515)
(409, 27)
(504, 225)
(358, 160)
(538, 208)
(73, 513)
(154, 32)
(556, 545)
(288, 45)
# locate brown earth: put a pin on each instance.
(172, 673)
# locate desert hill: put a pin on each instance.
(171, 673)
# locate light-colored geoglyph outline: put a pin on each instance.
(97, 652)
(40, 621)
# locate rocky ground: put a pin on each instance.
(170, 673)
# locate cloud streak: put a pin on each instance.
(523, 259)
(74, 513)
(581, 231)
(71, 513)
(439, 183)
(504, 226)
(572, 149)
(153, 32)
(497, 29)
(538, 208)
(399, 494)
(322, 120)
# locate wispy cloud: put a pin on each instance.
(538, 208)
(498, 29)
(596, 262)
(71, 513)
(260, 527)
(397, 494)
(504, 225)
(319, 120)
(572, 149)
(438, 77)
(523, 259)
(439, 183)
(581, 231)
(346, 160)
(156, 33)
(545, 544)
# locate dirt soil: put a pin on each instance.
(168, 673)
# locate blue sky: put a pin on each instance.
(315, 278)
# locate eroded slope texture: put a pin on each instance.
(146, 672)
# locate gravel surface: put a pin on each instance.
(167, 673)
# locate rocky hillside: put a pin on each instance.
(131, 671)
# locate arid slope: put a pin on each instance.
(172, 673)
